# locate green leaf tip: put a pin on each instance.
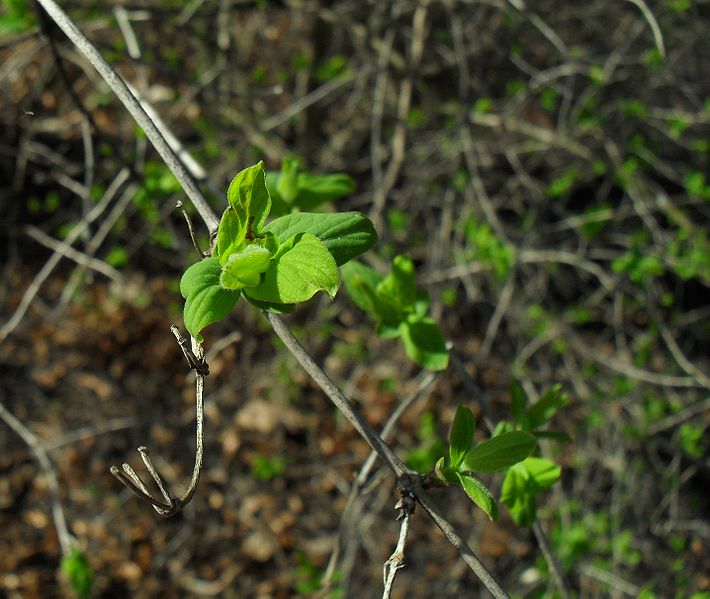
(479, 494)
(248, 196)
(244, 268)
(461, 436)
(79, 572)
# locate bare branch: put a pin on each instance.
(38, 449)
(170, 505)
(119, 87)
(407, 480)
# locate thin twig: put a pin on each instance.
(54, 259)
(170, 505)
(353, 507)
(407, 479)
(68, 251)
(94, 244)
(653, 24)
(60, 521)
(396, 562)
(336, 396)
(458, 541)
(544, 544)
(419, 21)
(191, 229)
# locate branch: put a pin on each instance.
(60, 521)
(336, 396)
(408, 481)
(169, 504)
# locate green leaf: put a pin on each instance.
(314, 190)
(248, 195)
(278, 204)
(206, 301)
(479, 494)
(244, 268)
(500, 452)
(302, 267)
(544, 472)
(461, 436)
(286, 184)
(230, 235)
(546, 407)
(424, 342)
(521, 503)
(444, 472)
(519, 400)
(421, 303)
(399, 287)
(360, 283)
(291, 188)
(521, 485)
(345, 234)
(78, 570)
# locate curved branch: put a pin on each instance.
(170, 505)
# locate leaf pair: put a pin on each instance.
(399, 309)
(495, 454)
(525, 481)
(274, 266)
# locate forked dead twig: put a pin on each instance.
(168, 504)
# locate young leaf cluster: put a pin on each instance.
(274, 265)
(524, 481)
(399, 309)
(465, 458)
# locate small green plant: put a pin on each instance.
(335, 66)
(78, 570)
(465, 458)
(274, 265)
(484, 245)
(266, 468)
(310, 578)
(563, 184)
(691, 440)
(399, 309)
(293, 189)
(526, 480)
